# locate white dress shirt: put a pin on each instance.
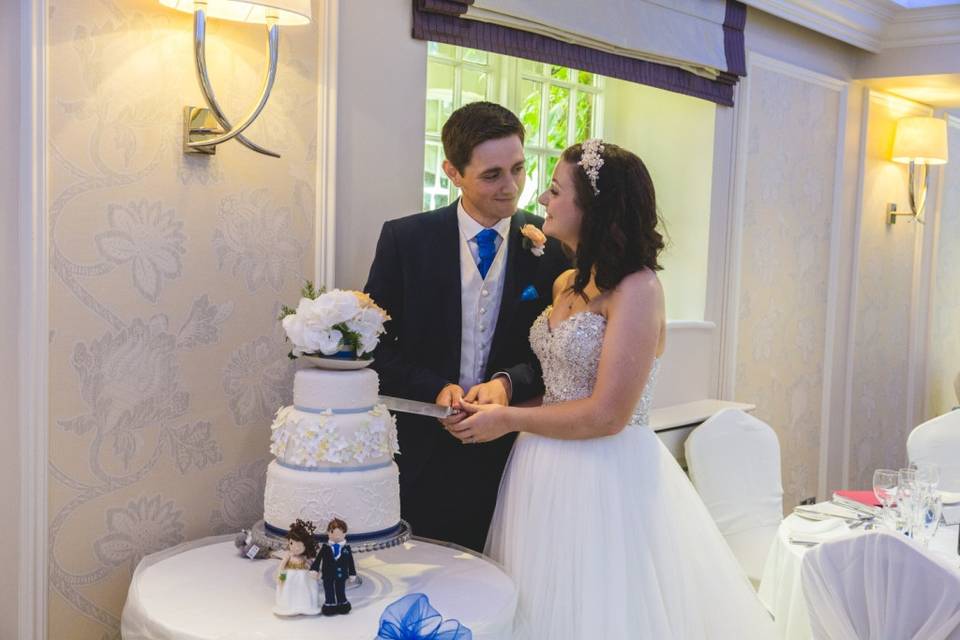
(479, 297)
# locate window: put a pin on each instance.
(557, 105)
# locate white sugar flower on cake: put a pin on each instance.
(333, 323)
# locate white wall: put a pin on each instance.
(884, 320)
(781, 239)
(943, 365)
(911, 61)
(381, 89)
(673, 134)
(9, 291)
(807, 49)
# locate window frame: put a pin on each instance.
(504, 78)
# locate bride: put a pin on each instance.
(597, 524)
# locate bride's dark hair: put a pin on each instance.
(618, 232)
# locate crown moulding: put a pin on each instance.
(871, 25)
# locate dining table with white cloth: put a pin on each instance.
(780, 588)
(204, 590)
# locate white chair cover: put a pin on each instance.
(879, 586)
(938, 440)
(734, 462)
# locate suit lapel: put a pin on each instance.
(516, 268)
(448, 266)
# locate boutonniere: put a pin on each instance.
(533, 239)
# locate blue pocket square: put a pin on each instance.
(530, 293)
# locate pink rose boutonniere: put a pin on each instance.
(533, 239)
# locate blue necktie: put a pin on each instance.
(336, 549)
(486, 249)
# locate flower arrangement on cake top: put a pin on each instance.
(333, 323)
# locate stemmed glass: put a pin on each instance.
(928, 519)
(928, 473)
(885, 489)
(928, 504)
(907, 497)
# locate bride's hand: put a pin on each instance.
(484, 422)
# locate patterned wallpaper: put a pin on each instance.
(785, 259)
(878, 415)
(167, 274)
(943, 365)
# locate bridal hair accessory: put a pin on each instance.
(591, 161)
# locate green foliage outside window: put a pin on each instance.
(542, 95)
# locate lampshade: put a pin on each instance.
(288, 12)
(920, 139)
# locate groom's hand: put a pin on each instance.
(497, 391)
(450, 396)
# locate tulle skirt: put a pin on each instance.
(607, 538)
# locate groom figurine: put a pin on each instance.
(462, 285)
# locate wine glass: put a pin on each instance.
(927, 473)
(885, 489)
(907, 495)
(928, 517)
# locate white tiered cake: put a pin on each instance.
(334, 453)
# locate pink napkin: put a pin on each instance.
(864, 497)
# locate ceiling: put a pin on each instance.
(941, 91)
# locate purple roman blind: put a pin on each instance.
(440, 21)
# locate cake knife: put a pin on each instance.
(420, 408)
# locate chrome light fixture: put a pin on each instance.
(206, 127)
(919, 141)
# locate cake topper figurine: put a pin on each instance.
(297, 590)
(335, 564)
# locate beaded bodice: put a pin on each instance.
(570, 357)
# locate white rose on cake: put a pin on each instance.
(328, 322)
(334, 307)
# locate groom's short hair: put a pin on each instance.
(473, 124)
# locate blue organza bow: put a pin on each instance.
(412, 618)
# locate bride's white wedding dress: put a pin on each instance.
(606, 538)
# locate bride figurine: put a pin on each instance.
(595, 520)
(298, 592)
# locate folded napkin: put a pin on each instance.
(951, 515)
(805, 538)
(863, 497)
(797, 525)
(830, 510)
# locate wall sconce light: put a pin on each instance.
(205, 128)
(919, 141)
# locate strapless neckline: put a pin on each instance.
(569, 356)
(586, 312)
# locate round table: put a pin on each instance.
(780, 588)
(204, 590)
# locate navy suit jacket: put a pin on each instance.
(415, 276)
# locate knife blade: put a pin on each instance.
(420, 408)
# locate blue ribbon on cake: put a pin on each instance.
(412, 618)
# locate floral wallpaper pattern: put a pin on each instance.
(167, 362)
(879, 414)
(944, 353)
(788, 204)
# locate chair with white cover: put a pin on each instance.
(938, 440)
(734, 462)
(879, 586)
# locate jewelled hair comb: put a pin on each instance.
(591, 161)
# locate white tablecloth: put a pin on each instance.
(204, 590)
(780, 588)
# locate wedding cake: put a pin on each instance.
(333, 448)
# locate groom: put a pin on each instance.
(462, 286)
